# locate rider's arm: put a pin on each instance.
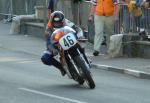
(78, 30)
(47, 33)
(49, 30)
(93, 5)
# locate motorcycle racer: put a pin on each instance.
(57, 20)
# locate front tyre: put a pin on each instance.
(74, 73)
(86, 73)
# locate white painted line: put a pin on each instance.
(28, 61)
(51, 95)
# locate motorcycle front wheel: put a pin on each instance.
(74, 73)
(86, 73)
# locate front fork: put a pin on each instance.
(84, 58)
(71, 60)
(64, 64)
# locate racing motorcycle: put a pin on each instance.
(72, 56)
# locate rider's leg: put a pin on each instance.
(48, 59)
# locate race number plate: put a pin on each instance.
(67, 41)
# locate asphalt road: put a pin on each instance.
(24, 79)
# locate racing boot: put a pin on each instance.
(59, 66)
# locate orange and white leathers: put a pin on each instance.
(49, 30)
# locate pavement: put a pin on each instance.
(138, 67)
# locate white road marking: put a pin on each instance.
(29, 61)
(10, 59)
(18, 60)
(51, 95)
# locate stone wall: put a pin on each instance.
(19, 7)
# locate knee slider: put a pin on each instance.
(46, 59)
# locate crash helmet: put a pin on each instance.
(57, 19)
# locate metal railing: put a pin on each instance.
(125, 23)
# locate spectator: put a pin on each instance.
(134, 8)
(144, 18)
(139, 15)
(103, 11)
(125, 15)
(50, 7)
(146, 3)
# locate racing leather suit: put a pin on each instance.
(48, 55)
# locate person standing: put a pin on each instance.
(50, 7)
(103, 11)
(146, 3)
